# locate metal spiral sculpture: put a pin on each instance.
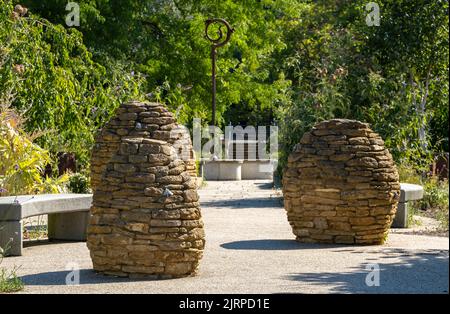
(222, 39)
(219, 41)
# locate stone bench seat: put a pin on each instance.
(238, 169)
(408, 192)
(67, 217)
(223, 169)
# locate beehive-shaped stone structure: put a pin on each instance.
(145, 216)
(341, 185)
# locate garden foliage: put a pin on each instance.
(290, 62)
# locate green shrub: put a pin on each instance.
(436, 193)
(342, 68)
(79, 184)
(22, 162)
(51, 185)
(58, 88)
(436, 200)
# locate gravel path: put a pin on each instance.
(250, 249)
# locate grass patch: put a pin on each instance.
(414, 210)
(9, 282)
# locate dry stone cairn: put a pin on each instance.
(145, 216)
(341, 185)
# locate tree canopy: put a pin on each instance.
(290, 62)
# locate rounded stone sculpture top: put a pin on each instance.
(137, 119)
(145, 216)
(341, 185)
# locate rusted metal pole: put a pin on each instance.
(213, 77)
(217, 42)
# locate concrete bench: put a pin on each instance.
(238, 169)
(224, 169)
(408, 192)
(68, 216)
(258, 169)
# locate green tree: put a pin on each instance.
(165, 39)
(394, 76)
(295, 61)
(56, 85)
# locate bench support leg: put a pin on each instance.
(401, 217)
(11, 237)
(68, 227)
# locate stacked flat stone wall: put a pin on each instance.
(134, 119)
(145, 216)
(341, 185)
